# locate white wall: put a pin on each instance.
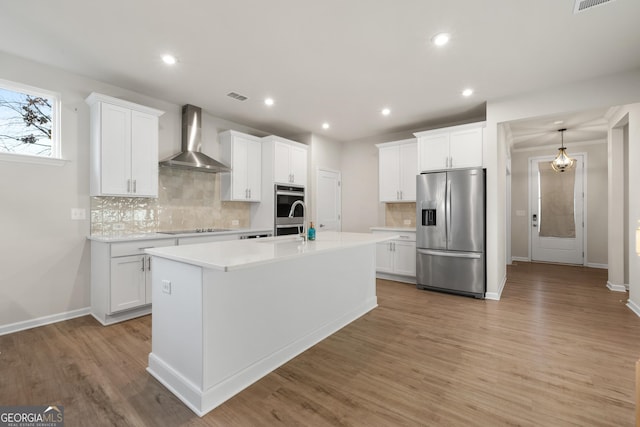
(617, 89)
(360, 207)
(626, 123)
(45, 257)
(596, 213)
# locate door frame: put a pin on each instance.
(317, 202)
(584, 203)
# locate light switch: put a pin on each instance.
(521, 213)
(407, 222)
(235, 222)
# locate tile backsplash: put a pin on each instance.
(186, 200)
(397, 213)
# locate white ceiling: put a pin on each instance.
(583, 126)
(333, 60)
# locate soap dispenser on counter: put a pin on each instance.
(311, 233)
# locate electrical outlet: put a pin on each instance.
(78, 214)
(235, 222)
(118, 226)
(521, 213)
(407, 222)
(166, 286)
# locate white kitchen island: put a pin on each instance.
(225, 314)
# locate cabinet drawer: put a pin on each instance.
(405, 236)
(137, 247)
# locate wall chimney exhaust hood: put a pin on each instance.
(191, 157)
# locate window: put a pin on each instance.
(29, 121)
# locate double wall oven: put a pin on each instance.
(285, 196)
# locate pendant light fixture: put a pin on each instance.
(562, 162)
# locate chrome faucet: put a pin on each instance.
(304, 217)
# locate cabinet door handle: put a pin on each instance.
(135, 182)
(128, 186)
(249, 193)
(149, 264)
(401, 195)
(142, 264)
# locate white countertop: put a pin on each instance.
(236, 254)
(127, 237)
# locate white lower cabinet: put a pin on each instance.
(396, 259)
(128, 278)
(121, 279)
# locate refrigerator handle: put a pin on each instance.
(472, 255)
(448, 209)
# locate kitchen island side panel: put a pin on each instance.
(254, 319)
(177, 321)
(276, 305)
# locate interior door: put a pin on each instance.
(557, 212)
(328, 197)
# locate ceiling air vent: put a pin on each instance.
(237, 96)
(582, 5)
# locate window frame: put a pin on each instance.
(55, 158)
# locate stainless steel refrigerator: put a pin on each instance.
(450, 229)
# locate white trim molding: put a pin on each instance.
(496, 295)
(634, 307)
(38, 160)
(597, 265)
(617, 288)
(42, 321)
(520, 258)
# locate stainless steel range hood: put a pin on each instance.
(191, 157)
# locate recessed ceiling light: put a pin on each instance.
(440, 39)
(268, 101)
(558, 122)
(169, 59)
(386, 111)
(467, 92)
(325, 125)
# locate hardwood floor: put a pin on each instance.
(558, 349)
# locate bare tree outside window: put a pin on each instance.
(25, 123)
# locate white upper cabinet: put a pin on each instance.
(450, 148)
(124, 148)
(289, 161)
(244, 153)
(397, 170)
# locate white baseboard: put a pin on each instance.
(41, 321)
(396, 277)
(634, 307)
(617, 288)
(596, 265)
(496, 295)
(520, 258)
